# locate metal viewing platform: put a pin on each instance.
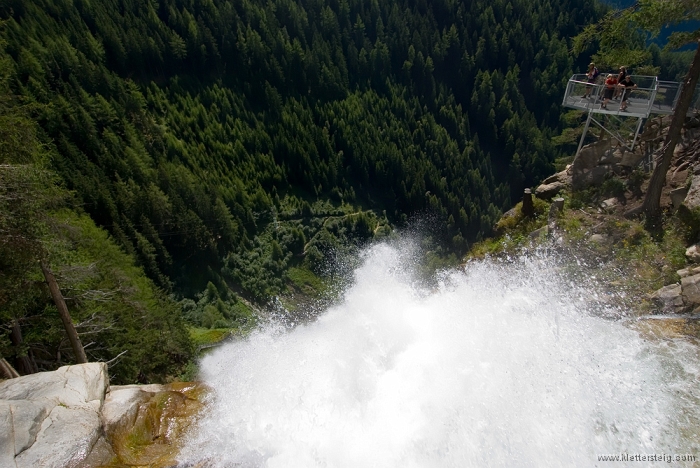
(652, 96)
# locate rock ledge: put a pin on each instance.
(72, 418)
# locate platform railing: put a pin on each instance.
(578, 85)
(646, 90)
(667, 97)
(644, 95)
(661, 96)
(694, 108)
(651, 96)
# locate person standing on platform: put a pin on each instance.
(628, 85)
(610, 86)
(620, 78)
(591, 76)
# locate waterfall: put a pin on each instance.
(497, 364)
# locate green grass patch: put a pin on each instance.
(512, 230)
(306, 281)
(208, 336)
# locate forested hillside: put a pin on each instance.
(237, 143)
(119, 313)
(184, 125)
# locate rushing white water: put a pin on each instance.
(501, 365)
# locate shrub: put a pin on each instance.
(635, 181)
(690, 223)
(613, 187)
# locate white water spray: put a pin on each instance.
(501, 365)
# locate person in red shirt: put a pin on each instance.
(610, 85)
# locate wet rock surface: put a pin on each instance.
(669, 299)
(72, 418)
(147, 425)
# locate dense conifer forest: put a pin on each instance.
(197, 156)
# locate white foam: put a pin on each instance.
(501, 365)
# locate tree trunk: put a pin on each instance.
(7, 370)
(652, 201)
(24, 363)
(77, 346)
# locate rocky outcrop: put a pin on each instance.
(680, 298)
(628, 159)
(692, 198)
(690, 286)
(606, 157)
(122, 405)
(609, 204)
(72, 418)
(599, 160)
(588, 168)
(145, 423)
(598, 239)
(603, 158)
(52, 419)
(669, 299)
(692, 253)
(554, 184)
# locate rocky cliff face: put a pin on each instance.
(52, 419)
(72, 418)
(608, 160)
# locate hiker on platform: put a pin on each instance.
(610, 85)
(591, 76)
(627, 86)
(620, 78)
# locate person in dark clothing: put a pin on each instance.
(620, 78)
(591, 76)
(627, 86)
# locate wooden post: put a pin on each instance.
(75, 343)
(528, 208)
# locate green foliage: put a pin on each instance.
(516, 220)
(612, 187)
(572, 128)
(572, 226)
(116, 305)
(208, 336)
(211, 311)
(635, 181)
(630, 260)
(513, 229)
(306, 281)
(620, 36)
(582, 198)
(654, 260)
(435, 260)
(689, 223)
(117, 310)
(229, 108)
(673, 65)
(119, 313)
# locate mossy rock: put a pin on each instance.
(161, 423)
